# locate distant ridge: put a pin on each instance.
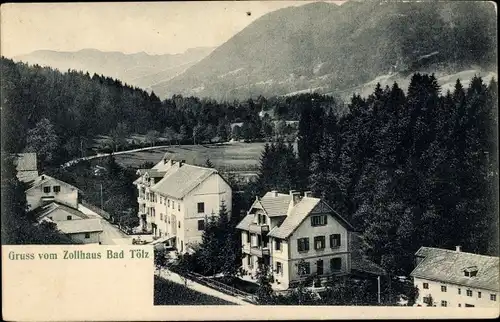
(137, 69)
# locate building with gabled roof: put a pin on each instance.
(282, 230)
(453, 278)
(45, 189)
(175, 199)
(26, 166)
(86, 231)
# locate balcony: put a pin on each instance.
(258, 229)
(259, 251)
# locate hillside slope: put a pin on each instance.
(324, 47)
(140, 69)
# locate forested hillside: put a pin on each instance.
(59, 114)
(408, 170)
(139, 69)
(327, 48)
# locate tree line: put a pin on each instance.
(58, 115)
(409, 170)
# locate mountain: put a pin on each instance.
(139, 69)
(327, 48)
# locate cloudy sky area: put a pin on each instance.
(155, 28)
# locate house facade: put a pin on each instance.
(295, 236)
(453, 278)
(45, 189)
(175, 200)
(85, 231)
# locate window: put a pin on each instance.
(478, 295)
(469, 293)
(179, 224)
(279, 268)
(201, 224)
(444, 303)
(443, 288)
(57, 189)
(182, 245)
(248, 237)
(318, 220)
(427, 300)
(249, 260)
(173, 204)
(201, 207)
(319, 267)
(426, 286)
(468, 305)
(161, 216)
(319, 242)
(46, 189)
(69, 217)
(459, 305)
(179, 206)
(168, 203)
(277, 244)
(459, 291)
(168, 217)
(303, 244)
(493, 297)
(87, 235)
(259, 219)
(335, 240)
(304, 268)
(336, 264)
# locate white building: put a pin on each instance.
(86, 231)
(56, 201)
(452, 278)
(281, 230)
(45, 189)
(176, 198)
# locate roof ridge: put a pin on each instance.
(460, 252)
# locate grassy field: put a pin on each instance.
(236, 156)
(170, 293)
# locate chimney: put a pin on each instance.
(308, 194)
(295, 196)
(181, 163)
(458, 248)
(274, 193)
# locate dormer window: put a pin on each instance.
(470, 271)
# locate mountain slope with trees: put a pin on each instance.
(333, 48)
(139, 69)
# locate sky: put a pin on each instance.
(130, 27)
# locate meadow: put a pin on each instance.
(235, 156)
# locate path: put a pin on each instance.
(110, 235)
(102, 155)
(176, 278)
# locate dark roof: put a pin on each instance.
(43, 211)
(153, 173)
(448, 266)
(179, 181)
(359, 261)
(44, 178)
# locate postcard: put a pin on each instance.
(319, 160)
